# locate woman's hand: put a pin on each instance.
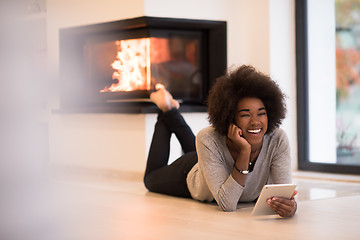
(284, 207)
(235, 135)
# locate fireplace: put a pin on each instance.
(114, 66)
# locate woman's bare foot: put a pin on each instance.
(163, 99)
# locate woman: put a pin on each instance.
(240, 152)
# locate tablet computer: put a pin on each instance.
(269, 191)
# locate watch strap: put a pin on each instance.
(241, 171)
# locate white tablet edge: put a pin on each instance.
(268, 191)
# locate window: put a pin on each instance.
(328, 85)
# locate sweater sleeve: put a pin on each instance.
(216, 172)
(280, 168)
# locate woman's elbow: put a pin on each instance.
(228, 207)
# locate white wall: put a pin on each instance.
(107, 141)
(75, 138)
(282, 62)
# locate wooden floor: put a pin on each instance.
(117, 206)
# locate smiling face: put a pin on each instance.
(251, 117)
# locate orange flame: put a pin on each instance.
(132, 66)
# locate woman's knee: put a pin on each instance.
(148, 183)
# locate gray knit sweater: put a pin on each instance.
(211, 177)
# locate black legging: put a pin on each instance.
(159, 176)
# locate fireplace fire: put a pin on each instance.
(113, 67)
(131, 67)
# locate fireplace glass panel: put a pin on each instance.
(171, 58)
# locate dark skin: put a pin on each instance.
(245, 139)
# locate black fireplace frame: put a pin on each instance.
(214, 64)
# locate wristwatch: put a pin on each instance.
(241, 171)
